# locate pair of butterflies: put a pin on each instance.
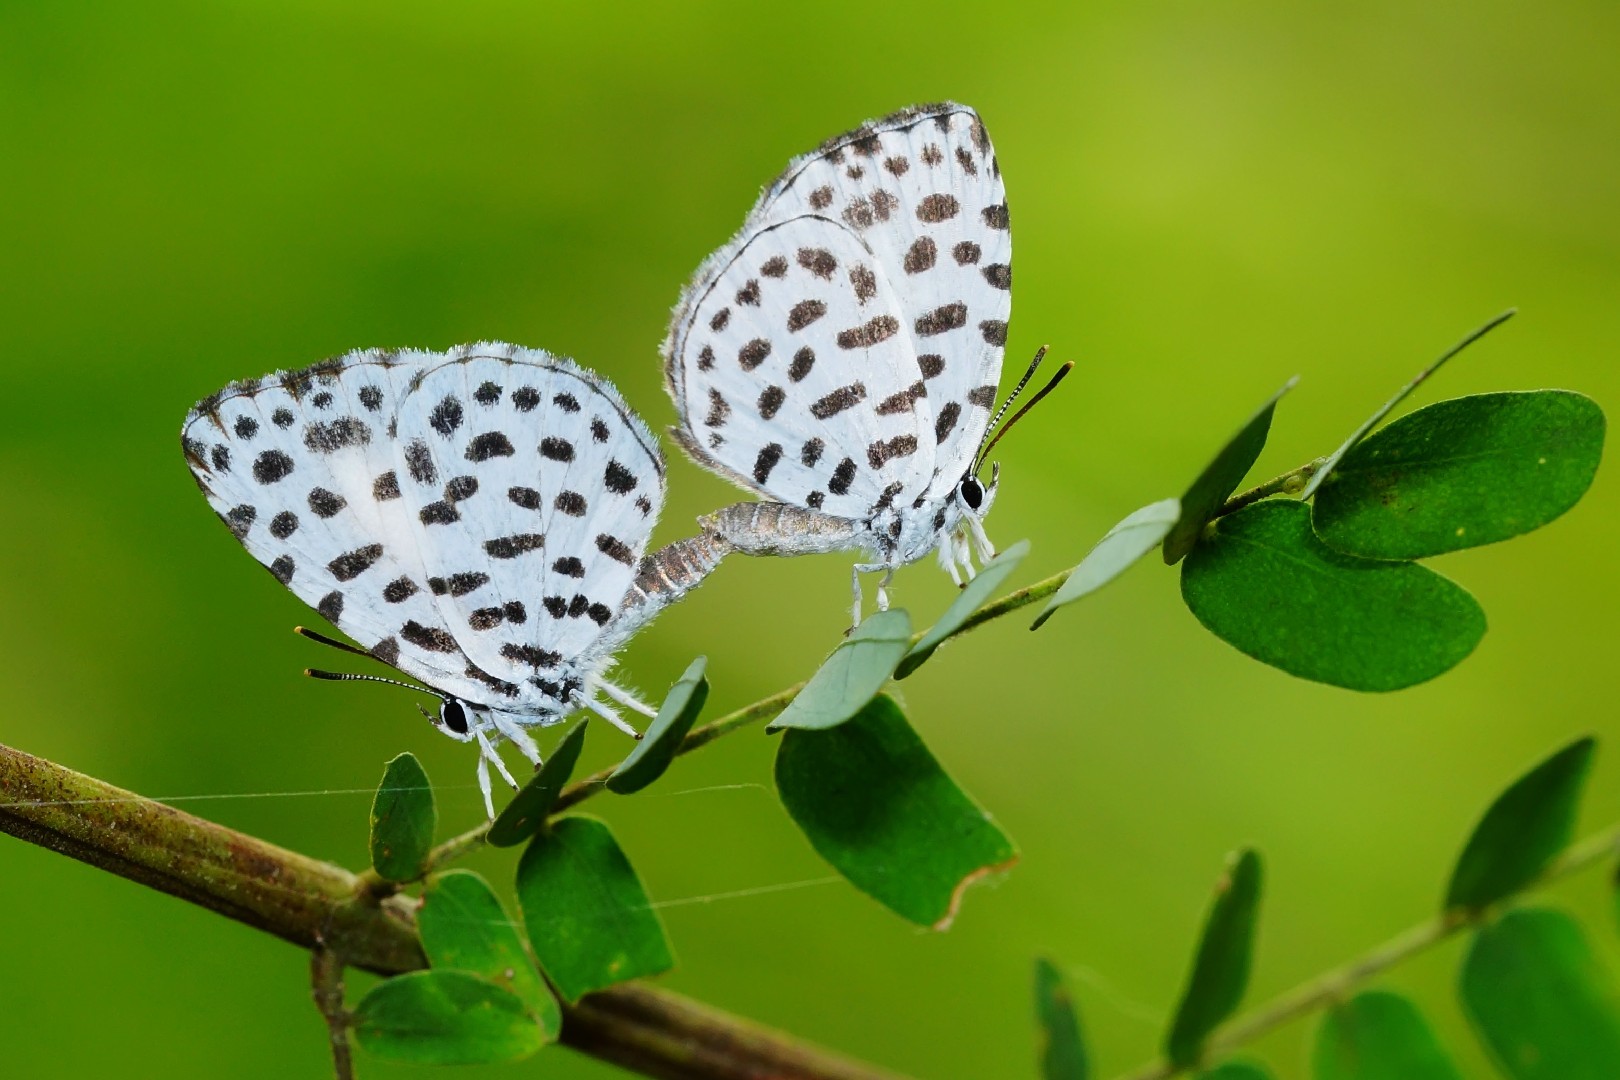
(478, 518)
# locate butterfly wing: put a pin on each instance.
(302, 468)
(802, 384)
(921, 193)
(533, 490)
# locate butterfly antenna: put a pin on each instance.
(304, 631)
(1040, 355)
(993, 434)
(348, 676)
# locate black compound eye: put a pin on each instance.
(454, 716)
(972, 492)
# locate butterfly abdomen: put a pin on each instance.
(773, 528)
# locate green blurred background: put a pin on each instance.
(1208, 199)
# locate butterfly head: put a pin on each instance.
(974, 497)
(454, 719)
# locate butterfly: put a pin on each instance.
(840, 355)
(475, 519)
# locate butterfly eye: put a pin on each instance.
(453, 716)
(972, 492)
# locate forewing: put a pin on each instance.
(533, 489)
(301, 467)
(922, 190)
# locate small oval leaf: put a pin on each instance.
(403, 819)
(1264, 583)
(1523, 830)
(588, 917)
(974, 595)
(1220, 478)
(855, 671)
(1220, 971)
(876, 805)
(1062, 1048)
(1126, 542)
(1237, 1070)
(657, 748)
(465, 928)
(1461, 473)
(444, 1018)
(1378, 1036)
(1539, 999)
(526, 814)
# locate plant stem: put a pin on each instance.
(1293, 481)
(319, 907)
(326, 983)
(1335, 985)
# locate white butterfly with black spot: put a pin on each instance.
(473, 518)
(840, 355)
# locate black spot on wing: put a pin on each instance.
(284, 525)
(240, 519)
(842, 477)
(840, 399)
(614, 548)
(766, 461)
(571, 503)
(331, 606)
(942, 319)
(619, 480)
(883, 451)
(428, 638)
(328, 437)
(873, 331)
(946, 421)
(510, 547)
(556, 449)
(525, 398)
(282, 569)
(386, 486)
(569, 566)
(526, 497)
(446, 416)
(803, 361)
(352, 564)
(271, 466)
(399, 590)
(491, 444)
(325, 504)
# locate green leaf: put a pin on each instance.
(1461, 473)
(464, 928)
(1332, 460)
(588, 917)
(1523, 831)
(526, 814)
(445, 1018)
(876, 805)
(1220, 971)
(1063, 1049)
(403, 818)
(1238, 1070)
(1539, 999)
(1378, 1036)
(1220, 478)
(659, 745)
(849, 678)
(1264, 583)
(973, 595)
(1126, 542)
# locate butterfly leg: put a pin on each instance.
(625, 698)
(513, 732)
(607, 713)
(981, 541)
(855, 586)
(883, 590)
(488, 754)
(483, 785)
